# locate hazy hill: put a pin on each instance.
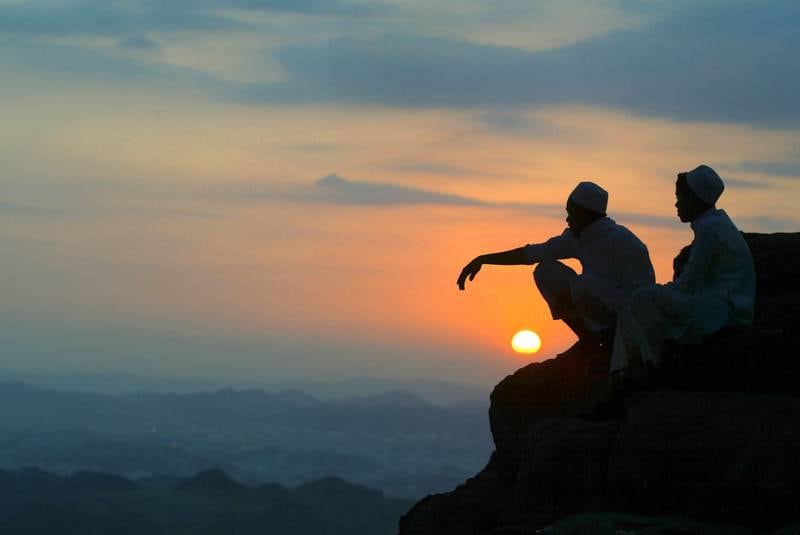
(210, 502)
(395, 440)
(436, 392)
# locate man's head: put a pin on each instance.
(696, 191)
(586, 204)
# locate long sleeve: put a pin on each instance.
(556, 248)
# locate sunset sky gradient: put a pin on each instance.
(279, 189)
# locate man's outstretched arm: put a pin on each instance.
(511, 257)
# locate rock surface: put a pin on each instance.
(716, 440)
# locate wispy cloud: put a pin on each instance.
(105, 18)
(720, 61)
(334, 189)
(623, 218)
(442, 169)
(768, 224)
(16, 209)
(710, 62)
(338, 190)
(509, 122)
(343, 8)
(81, 64)
(787, 169)
(117, 18)
(736, 183)
(139, 43)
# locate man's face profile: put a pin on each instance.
(578, 217)
(687, 203)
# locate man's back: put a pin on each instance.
(720, 266)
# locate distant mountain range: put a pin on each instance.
(435, 392)
(396, 440)
(208, 502)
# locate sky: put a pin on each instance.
(287, 189)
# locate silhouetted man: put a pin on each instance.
(715, 289)
(614, 263)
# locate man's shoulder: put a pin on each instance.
(717, 225)
(624, 235)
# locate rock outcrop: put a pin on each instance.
(713, 446)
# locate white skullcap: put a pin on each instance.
(705, 183)
(591, 196)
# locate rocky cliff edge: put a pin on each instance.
(712, 447)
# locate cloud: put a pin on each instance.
(15, 209)
(509, 122)
(647, 220)
(139, 43)
(82, 64)
(335, 189)
(789, 169)
(441, 169)
(728, 62)
(768, 224)
(117, 18)
(310, 7)
(105, 18)
(746, 184)
(623, 218)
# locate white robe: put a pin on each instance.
(716, 289)
(614, 263)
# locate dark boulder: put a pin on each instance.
(477, 506)
(712, 455)
(553, 388)
(564, 467)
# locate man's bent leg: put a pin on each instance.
(553, 281)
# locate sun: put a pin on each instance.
(526, 341)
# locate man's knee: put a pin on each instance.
(551, 273)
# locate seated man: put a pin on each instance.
(715, 289)
(614, 263)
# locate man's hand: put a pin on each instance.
(470, 270)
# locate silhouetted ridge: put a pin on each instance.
(295, 397)
(273, 492)
(335, 488)
(33, 502)
(98, 481)
(395, 398)
(213, 480)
